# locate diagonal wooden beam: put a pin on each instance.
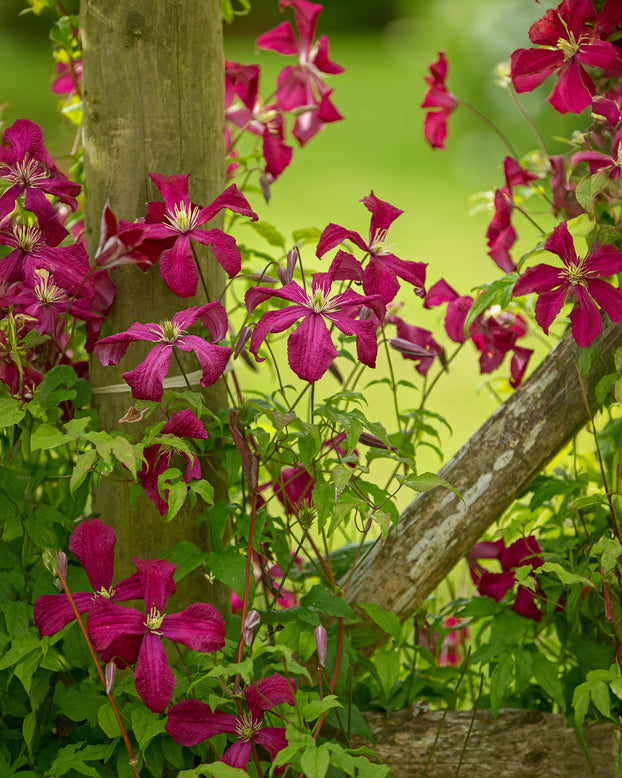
(492, 468)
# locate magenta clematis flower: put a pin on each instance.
(177, 221)
(426, 348)
(440, 100)
(199, 627)
(310, 350)
(570, 38)
(183, 424)
(28, 167)
(562, 191)
(68, 77)
(302, 85)
(191, 721)
(524, 551)
(146, 379)
(92, 543)
(384, 268)
(580, 280)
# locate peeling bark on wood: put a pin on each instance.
(495, 465)
(517, 744)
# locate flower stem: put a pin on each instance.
(126, 740)
(183, 372)
(249, 568)
(493, 127)
(529, 120)
(200, 272)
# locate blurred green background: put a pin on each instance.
(385, 49)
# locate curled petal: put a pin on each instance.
(199, 627)
(190, 722)
(269, 692)
(146, 379)
(212, 358)
(53, 611)
(153, 677)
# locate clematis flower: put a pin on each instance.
(92, 543)
(183, 424)
(302, 85)
(146, 379)
(178, 221)
(569, 39)
(191, 722)
(199, 627)
(28, 167)
(310, 350)
(440, 100)
(562, 191)
(524, 551)
(425, 350)
(581, 280)
(384, 268)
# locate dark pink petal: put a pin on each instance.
(435, 128)
(605, 261)
(281, 39)
(184, 424)
(238, 754)
(233, 200)
(306, 14)
(212, 358)
(322, 59)
(310, 350)
(214, 318)
(53, 611)
(384, 264)
(291, 291)
(608, 297)
(487, 549)
(178, 268)
(190, 722)
(548, 305)
(495, 585)
(585, 317)
(275, 321)
(224, 247)
(439, 293)
(518, 365)
(111, 349)
(365, 331)
(524, 551)
(269, 692)
(380, 279)
(128, 589)
(199, 627)
(333, 235)
(153, 677)
(383, 214)
(525, 604)
(174, 189)
(294, 485)
(455, 318)
(146, 379)
(530, 67)
(276, 153)
(601, 54)
(92, 543)
(272, 739)
(156, 578)
(515, 173)
(108, 622)
(540, 278)
(573, 90)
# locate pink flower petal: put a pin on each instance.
(156, 578)
(269, 692)
(178, 268)
(153, 677)
(146, 379)
(199, 627)
(212, 358)
(52, 612)
(92, 543)
(585, 317)
(310, 350)
(190, 722)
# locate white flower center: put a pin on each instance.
(27, 236)
(169, 332)
(46, 291)
(378, 246)
(183, 218)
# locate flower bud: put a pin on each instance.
(244, 335)
(248, 629)
(286, 274)
(110, 673)
(61, 564)
(320, 642)
(409, 349)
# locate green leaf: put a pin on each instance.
(387, 661)
(230, 568)
(500, 681)
(565, 576)
(125, 453)
(84, 462)
(588, 189)
(604, 386)
(70, 758)
(146, 726)
(11, 411)
(313, 709)
(581, 702)
(214, 770)
(546, 674)
(315, 760)
(326, 602)
(388, 622)
(601, 699)
(269, 232)
(175, 498)
(45, 436)
(306, 235)
(425, 482)
(204, 489)
(341, 477)
(108, 721)
(187, 557)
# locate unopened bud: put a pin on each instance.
(110, 673)
(320, 643)
(243, 336)
(248, 630)
(286, 274)
(61, 564)
(306, 513)
(409, 349)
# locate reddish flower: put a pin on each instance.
(199, 627)
(68, 77)
(28, 167)
(177, 221)
(563, 192)
(425, 350)
(183, 424)
(146, 379)
(524, 551)
(580, 280)
(570, 38)
(310, 350)
(191, 721)
(92, 543)
(302, 85)
(441, 100)
(384, 268)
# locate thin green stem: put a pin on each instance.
(492, 126)
(529, 121)
(183, 372)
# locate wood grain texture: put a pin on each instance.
(493, 467)
(153, 103)
(517, 744)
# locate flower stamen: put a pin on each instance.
(183, 217)
(246, 727)
(154, 620)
